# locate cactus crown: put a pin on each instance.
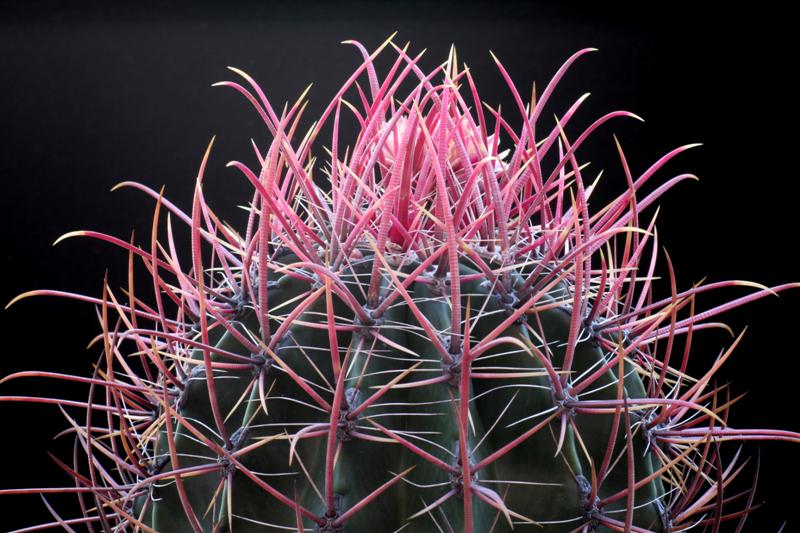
(444, 337)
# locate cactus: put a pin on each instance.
(442, 337)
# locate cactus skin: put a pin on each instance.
(362, 464)
(445, 340)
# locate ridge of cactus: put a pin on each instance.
(424, 328)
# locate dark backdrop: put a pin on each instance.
(95, 95)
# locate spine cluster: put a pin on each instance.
(425, 332)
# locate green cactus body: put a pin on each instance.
(444, 339)
(540, 482)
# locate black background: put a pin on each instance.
(95, 95)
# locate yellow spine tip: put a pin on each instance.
(68, 235)
(17, 298)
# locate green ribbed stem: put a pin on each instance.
(532, 479)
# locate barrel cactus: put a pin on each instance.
(425, 329)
